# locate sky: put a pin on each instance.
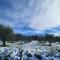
(31, 16)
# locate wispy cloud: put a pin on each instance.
(31, 15)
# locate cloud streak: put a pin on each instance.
(32, 15)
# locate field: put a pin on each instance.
(33, 47)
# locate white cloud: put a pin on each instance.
(37, 14)
(48, 17)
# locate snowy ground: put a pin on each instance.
(33, 47)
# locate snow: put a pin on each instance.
(32, 48)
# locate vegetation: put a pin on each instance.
(4, 33)
(7, 34)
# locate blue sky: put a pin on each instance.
(31, 16)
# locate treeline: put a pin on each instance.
(7, 34)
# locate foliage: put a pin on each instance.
(5, 31)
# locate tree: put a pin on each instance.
(5, 31)
(49, 38)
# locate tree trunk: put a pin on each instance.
(49, 43)
(4, 43)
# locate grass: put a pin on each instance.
(58, 50)
(4, 45)
(11, 41)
